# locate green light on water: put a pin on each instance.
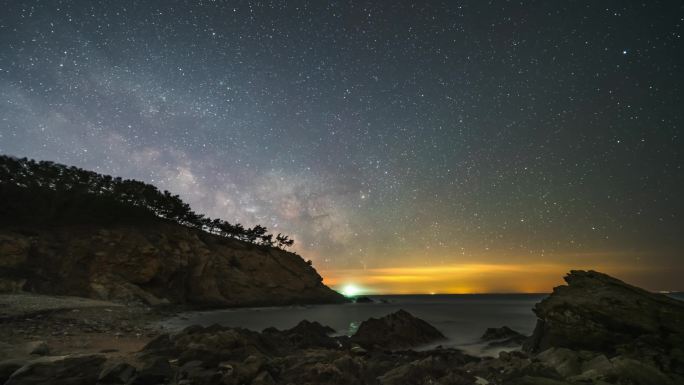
(351, 290)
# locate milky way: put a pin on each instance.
(379, 134)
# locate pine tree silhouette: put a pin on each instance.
(56, 189)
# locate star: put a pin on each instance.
(353, 131)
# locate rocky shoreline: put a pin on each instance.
(596, 330)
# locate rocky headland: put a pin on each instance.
(155, 264)
(69, 231)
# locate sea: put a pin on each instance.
(461, 318)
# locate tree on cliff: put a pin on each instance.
(58, 191)
(283, 241)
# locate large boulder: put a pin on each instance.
(503, 337)
(398, 330)
(209, 345)
(600, 313)
(504, 332)
(305, 335)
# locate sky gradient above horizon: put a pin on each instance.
(460, 146)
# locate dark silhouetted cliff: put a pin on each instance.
(73, 232)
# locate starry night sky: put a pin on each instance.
(454, 146)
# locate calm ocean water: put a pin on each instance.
(462, 318)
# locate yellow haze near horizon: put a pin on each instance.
(458, 278)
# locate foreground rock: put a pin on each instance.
(560, 366)
(503, 337)
(434, 369)
(635, 334)
(305, 354)
(398, 330)
(156, 263)
(598, 312)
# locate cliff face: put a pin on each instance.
(156, 263)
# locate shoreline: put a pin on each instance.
(70, 325)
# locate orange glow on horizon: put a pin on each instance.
(458, 278)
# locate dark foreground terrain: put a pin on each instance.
(595, 330)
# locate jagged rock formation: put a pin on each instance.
(398, 330)
(155, 263)
(600, 313)
(598, 329)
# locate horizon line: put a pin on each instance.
(487, 293)
(433, 294)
